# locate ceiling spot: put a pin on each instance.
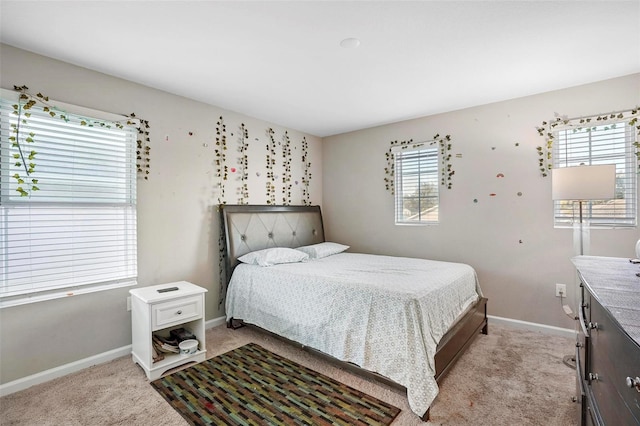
(350, 43)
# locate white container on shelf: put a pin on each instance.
(188, 347)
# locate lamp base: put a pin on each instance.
(581, 238)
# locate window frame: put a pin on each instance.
(424, 152)
(626, 171)
(123, 211)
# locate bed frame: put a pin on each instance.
(247, 228)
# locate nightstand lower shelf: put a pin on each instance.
(157, 369)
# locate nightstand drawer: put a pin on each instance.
(176, 312)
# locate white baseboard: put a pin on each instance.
(53, 373)
(547, 329)
(63, 370)
(215, 322)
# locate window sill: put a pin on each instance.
(24, 299)
(595, 227)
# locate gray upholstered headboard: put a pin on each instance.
(249, 228)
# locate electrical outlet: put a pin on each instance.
(129, 303)
(561, 290)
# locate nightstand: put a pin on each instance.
(157, 312)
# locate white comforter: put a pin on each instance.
(385, 314)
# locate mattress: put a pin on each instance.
(385, 314)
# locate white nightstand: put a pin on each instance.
(155, 312)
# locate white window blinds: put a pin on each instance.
(610, 143)
(416, 186)
(77, 233)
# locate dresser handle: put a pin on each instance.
(634, 383)
(179, 312)
(583, 322)
(593, 377)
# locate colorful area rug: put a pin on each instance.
(253, 386)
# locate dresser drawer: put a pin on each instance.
(591, 415)
(584, 316)
(613, 358)
(176, 312)
(580, 381)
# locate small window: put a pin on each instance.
(75, 232)
(610, 143)
(416, 186)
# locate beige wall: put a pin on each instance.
(177, 218)
(518, 278)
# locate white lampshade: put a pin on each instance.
(584, 182)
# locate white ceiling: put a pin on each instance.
(282, 61)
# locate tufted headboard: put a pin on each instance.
(249, 228)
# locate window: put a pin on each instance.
(610, 143)
(77, 233)
(416, 186)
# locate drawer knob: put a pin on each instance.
(634, 383)
(179, 313)
(593, 377)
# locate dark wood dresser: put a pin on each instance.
(608, 347)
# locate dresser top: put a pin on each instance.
(613, 281)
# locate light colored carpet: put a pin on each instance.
(508, 377)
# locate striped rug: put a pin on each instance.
(253, 386)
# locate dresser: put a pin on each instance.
(608, 346)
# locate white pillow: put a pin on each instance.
(320, 250)
(273, 256)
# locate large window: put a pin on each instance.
(610, 143)
(416, 186)
(77, 232)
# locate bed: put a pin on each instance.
(402, 321)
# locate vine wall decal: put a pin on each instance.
(286, 167)
(222, 242)
(306, 164)
(546, 130)
(25, 141)
(221, 157)
(243, 162)
(446, 168)
(143, 151)
(271, 162)
(285, 174)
